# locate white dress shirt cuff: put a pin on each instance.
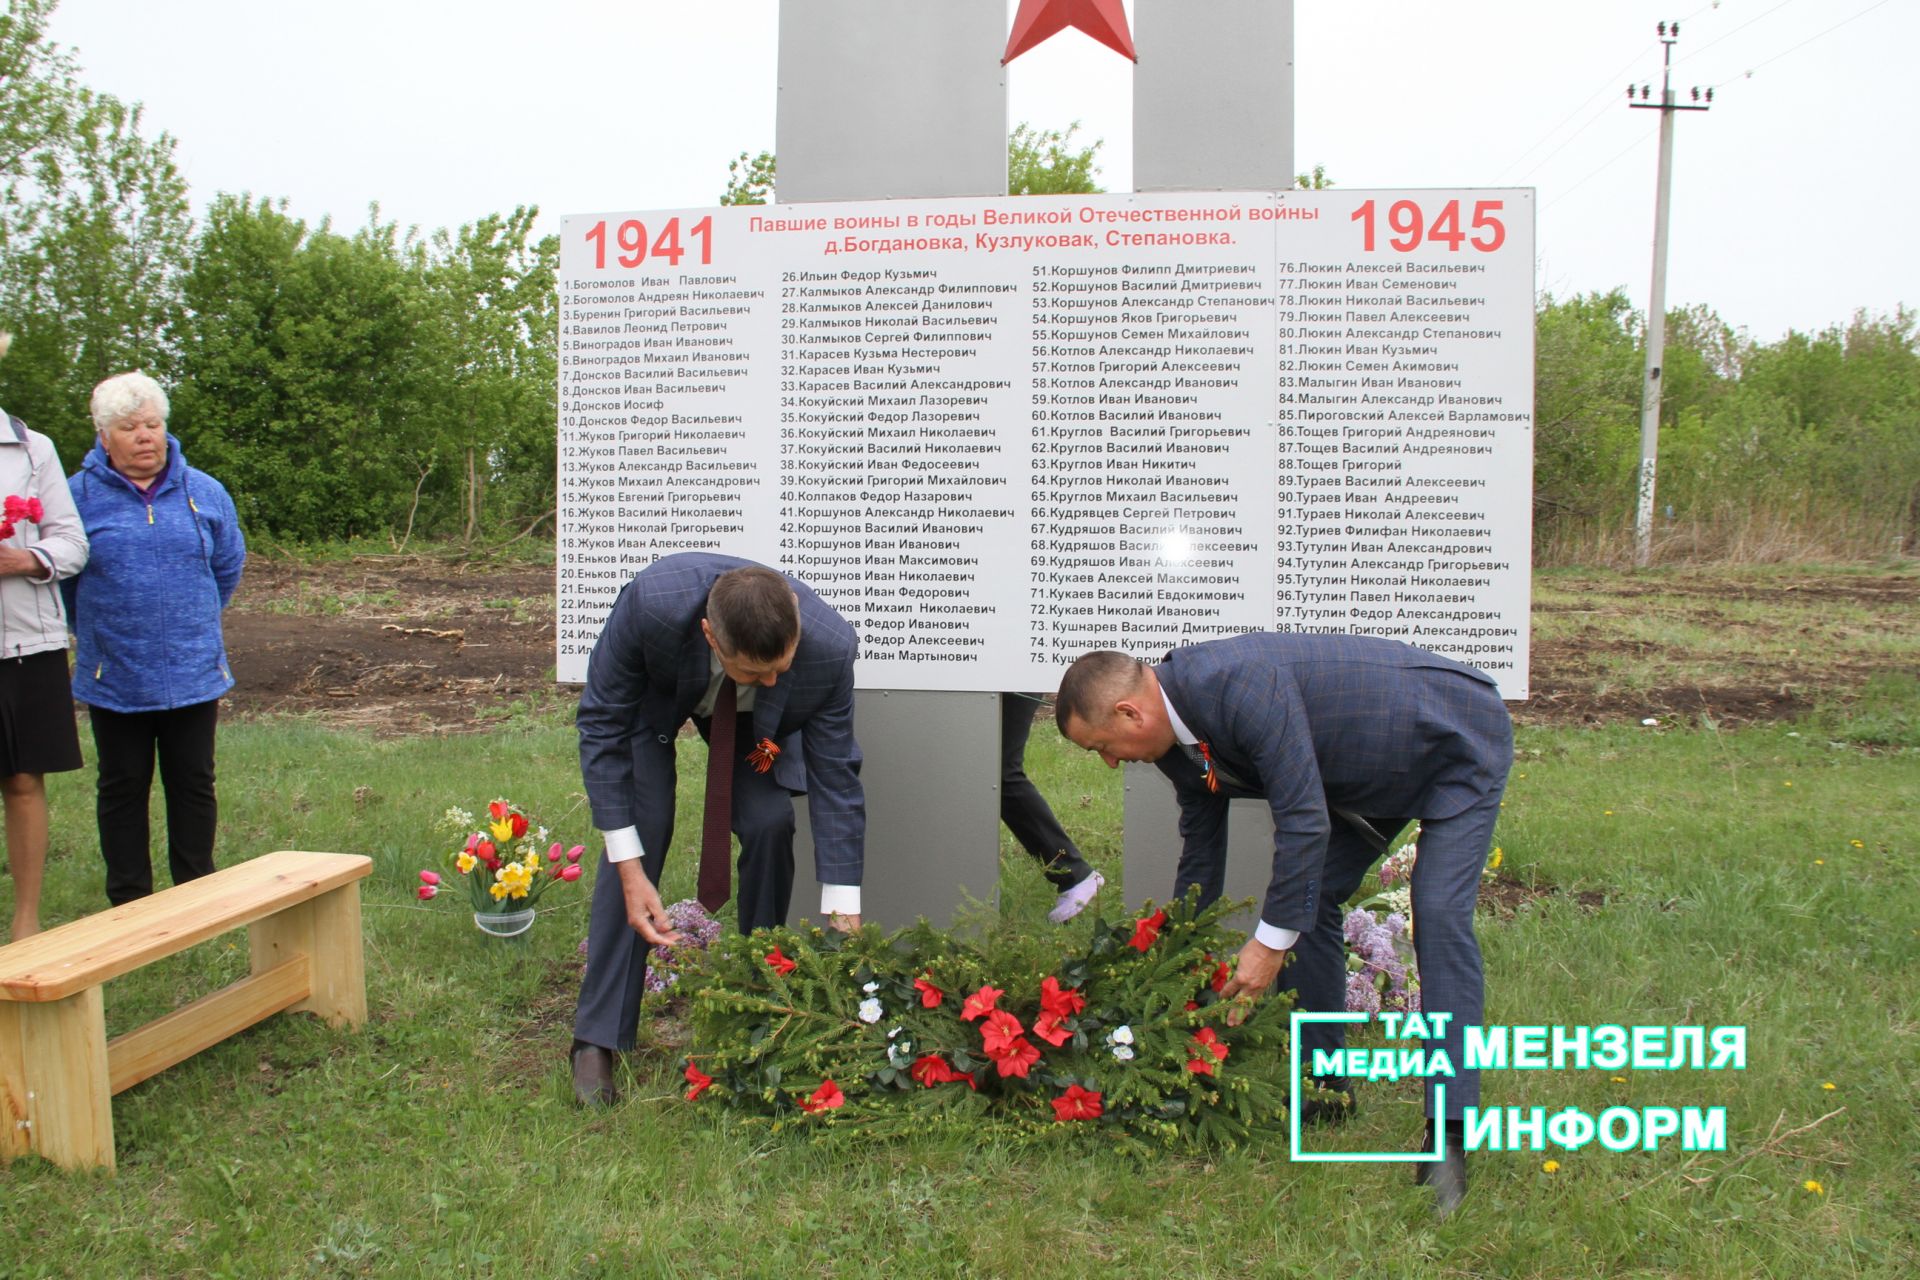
(1275, 938)
(623, 845)
(839, 899)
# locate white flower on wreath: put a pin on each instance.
(870, 1010)
(871, 987)
(1120, 1040)
(900, 1053)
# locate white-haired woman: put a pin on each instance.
(41, 542)
(151, 663)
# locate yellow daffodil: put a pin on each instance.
(498, 891)
(1813, 1186)
(466, 862)
(1551, 1166)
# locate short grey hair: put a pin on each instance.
(123, 395)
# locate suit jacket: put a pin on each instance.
(1311, 721)
(652, 666)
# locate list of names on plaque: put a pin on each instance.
(995, 434)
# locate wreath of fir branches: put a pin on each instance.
(889, 1035)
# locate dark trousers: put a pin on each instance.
(1023, 808)
(610, 991)
(125, 745)
(1446, 886)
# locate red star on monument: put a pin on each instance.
(1104, 20)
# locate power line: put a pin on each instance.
(1617, 158)
(1742, 27)
(1747, 74)
(1606, 87)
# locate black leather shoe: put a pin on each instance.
(1448, 1179)
(1329, 1110)
(592, 1074)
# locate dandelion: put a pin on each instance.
(1786, 784)
(1858, 844)
(1551, 1166)
(1819, 862)
(1829, 1085)
(1606, 813)
(1814, 1186)
(1619, 1079)
(1494, 863)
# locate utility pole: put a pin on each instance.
(1657, 304)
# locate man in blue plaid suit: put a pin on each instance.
(685, 624)
(1347, 739)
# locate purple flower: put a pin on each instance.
(697, 931)
(1362, 997)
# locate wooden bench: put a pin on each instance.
(58, 1070)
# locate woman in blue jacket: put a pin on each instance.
(150, 662)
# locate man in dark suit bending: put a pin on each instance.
(711, 638)
(1347, 739)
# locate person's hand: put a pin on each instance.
(17, 561)
(845, 923)
(1253, 976)
(645, 912)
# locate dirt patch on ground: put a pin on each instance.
(397, 645)
(1504, 897)
(401, 645)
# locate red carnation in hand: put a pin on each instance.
(779, 963)
(1076, 1104)
(930, 995)
(825, 1098)
(35, 510)
(698, 1079)
(979, 1002)
(1059, 1003)
(1147, 930)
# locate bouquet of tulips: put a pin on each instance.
(503, 864)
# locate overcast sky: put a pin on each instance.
(1793, 204)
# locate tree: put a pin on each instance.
(1039, 162)
(1315, 181)
(1044, 162)
(749, 181)
(94, 227)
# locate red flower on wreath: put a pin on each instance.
(1060, 1003)
(998, 1031)
(1220, 975)
(1076, 1104)
(779, 963)
(1015, 1058)
(934, 1069)
(930, 995)
(698, 1079)
(1146, 930)
(1208, 1042)
(1048, 1028)
(979, 1002)
(825, 1098)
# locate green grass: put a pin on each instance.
(440, 1140)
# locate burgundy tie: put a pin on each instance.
(716, 842)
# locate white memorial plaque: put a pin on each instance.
(996, 433)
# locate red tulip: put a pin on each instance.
(426, 891)
(429, 877)
(553, 854)
(570, 873)
(573, 854)
(518, 822)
